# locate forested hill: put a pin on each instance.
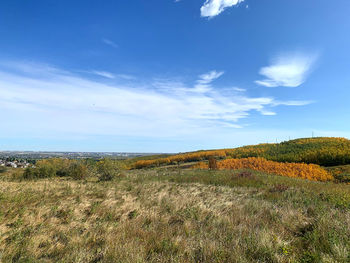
(325, 151)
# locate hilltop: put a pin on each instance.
(324, 151)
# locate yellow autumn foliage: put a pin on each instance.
(298, 170)
(179, 158)
(322, 151)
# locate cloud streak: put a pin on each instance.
(109, 42)
(204, 80)
(104, 74)
(213, 8)
(287, 71)
(55, 102)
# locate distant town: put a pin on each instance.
(23, 159)
(15, 163)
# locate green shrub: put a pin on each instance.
(56, 167)
(30, 173)
(62, 172)
(107, 170)
(77, 171)
(46, 171)
(39, 172)
(3, 169)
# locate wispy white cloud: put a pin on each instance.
(204, 81)
(287, 71)
(109, 42)
(125, 76)
(212, 8)
(110, 75)
(239, 89)
(104, 74)
(267, 112)
(210, 76)
(57, 102)
(293, 102)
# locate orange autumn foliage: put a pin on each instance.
(201, 165)
(299, 170)
(179, 158)
(322, 151)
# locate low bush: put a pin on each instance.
(29, 173)
(107, 170)
(299, 170)
(3, 169)
(39, 172)
(341, 173)
(57, 167)
(77, 171)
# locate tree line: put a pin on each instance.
(324, 151)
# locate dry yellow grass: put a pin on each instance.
(147, 218)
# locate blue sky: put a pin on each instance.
(170, 76)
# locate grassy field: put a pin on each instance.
(170, 215)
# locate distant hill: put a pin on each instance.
(325, 151)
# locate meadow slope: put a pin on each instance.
(173, 215)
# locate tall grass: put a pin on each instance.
(174, 216)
